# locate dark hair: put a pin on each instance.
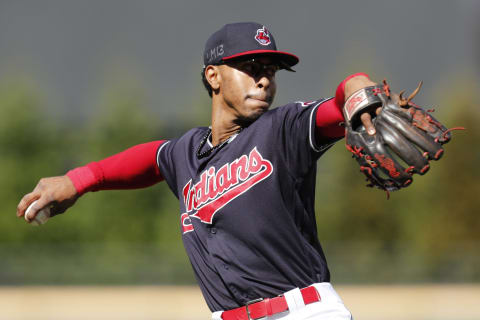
(205, 83)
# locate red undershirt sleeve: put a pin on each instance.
(133, 168)
(330, 115)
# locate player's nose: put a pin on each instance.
(265, 81)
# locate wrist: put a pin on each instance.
(83, 178)
(356, 83)
(340, 94)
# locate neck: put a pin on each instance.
(223, 125)
(221, 132)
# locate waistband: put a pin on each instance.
(289, 301)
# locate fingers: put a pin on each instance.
(41, 192)
(366, 119)
(367, 123)
(25, 202)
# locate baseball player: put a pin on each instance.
(245, 184)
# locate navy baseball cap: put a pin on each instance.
(244, 39)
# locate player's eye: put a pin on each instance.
(271, 69)
(256, 68)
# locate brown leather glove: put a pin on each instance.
(407, 137)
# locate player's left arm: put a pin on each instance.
(330, 115)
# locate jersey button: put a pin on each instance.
(213, 230)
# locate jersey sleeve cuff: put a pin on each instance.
(333, 132)
(328, 120)
(85, 178)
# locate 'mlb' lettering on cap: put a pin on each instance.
(215, 52)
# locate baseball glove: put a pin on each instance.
(407, 137)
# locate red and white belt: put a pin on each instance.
(261, 308)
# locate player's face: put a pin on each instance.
(248, 87)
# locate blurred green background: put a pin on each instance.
(81, 80)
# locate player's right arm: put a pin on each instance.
(133, 168)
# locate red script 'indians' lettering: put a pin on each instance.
(216, 188)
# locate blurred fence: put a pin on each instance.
(83, 263)
(148, 264)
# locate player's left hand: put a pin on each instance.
(366, 120)
(407, 137)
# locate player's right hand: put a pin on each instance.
(57, 192)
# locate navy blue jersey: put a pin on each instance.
(247, 209)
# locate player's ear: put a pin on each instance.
(212, 74)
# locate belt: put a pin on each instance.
(260, 308)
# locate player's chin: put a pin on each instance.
(247, 119)
(258, 111)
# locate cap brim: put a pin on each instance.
(289, 59)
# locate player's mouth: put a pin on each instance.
(265, 101)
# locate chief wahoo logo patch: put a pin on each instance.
(263, 36)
